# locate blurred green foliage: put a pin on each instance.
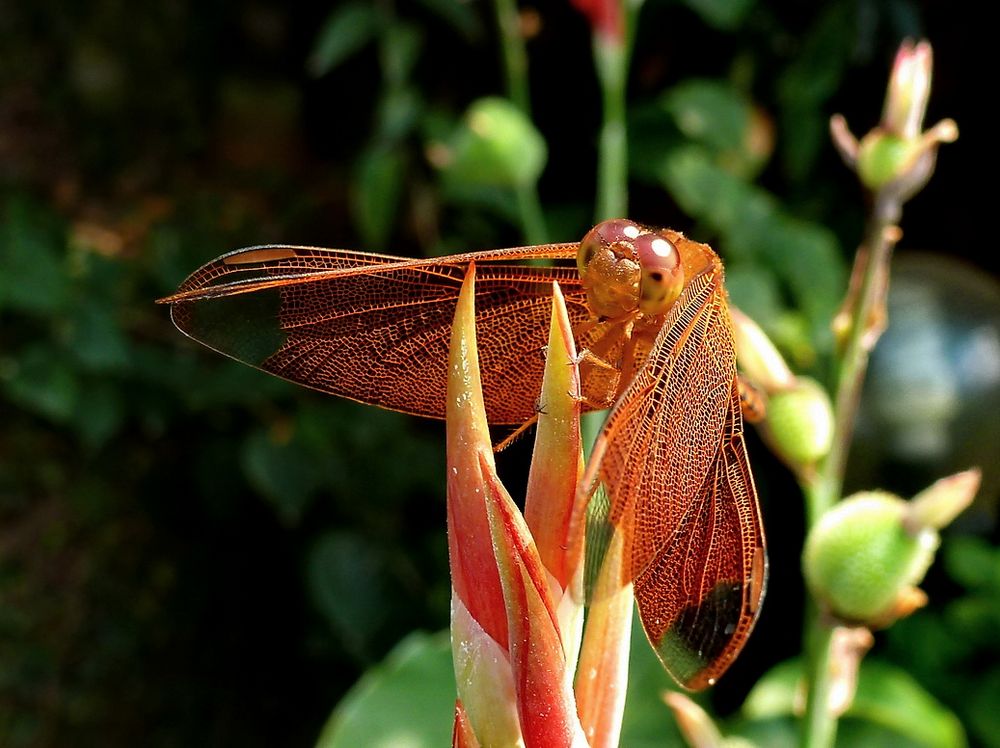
(954, 646)
(194, 553)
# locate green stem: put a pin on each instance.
(611, 59)
(532, 217)
(867, 318)
(869, 310)
(819, 726)
(515, 59)
(515, 65)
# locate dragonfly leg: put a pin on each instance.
(753, 401)
(588, 356)
(516, 434)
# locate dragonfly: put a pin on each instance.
(649, 311)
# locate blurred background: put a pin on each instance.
(192, 552)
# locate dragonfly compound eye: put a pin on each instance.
(605, 237)
(609, 268)
(662, 276)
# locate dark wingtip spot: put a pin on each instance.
(246, 327)
(700, 635)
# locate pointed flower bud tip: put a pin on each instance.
(909, 89)
(757, 355)
(694, 723)
(607, 17)
(938, 505)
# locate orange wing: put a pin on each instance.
(673, 460)
(375, 328)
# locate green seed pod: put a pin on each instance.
(800, 422)
(860, 558)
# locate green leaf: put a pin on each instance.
(399, 49)
(754, 289)
(972, 562)
(774, 693)
(347, 576)
(43, 381)
(721, 14)
(938, 644)
(32, 273)
(96, 338)
(648, 722)
(100, 412)
(814, 75)
(887, 698)
(378, 183)
(711, 112)
(462, 16)
(728, 204)
(976, 618)
(397, 114)
(782, 732)
(805, 257)
(281, 471)
(499, 201)
(792, 332)
(345, 31)
(408, 700)
(983, 715)
(856, 733)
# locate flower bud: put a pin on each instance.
(800, 423)
(882, 157)
(861, 557)
(497, 145)
(757, 355)
(937, 505)
(898, 156)
(607, 18)
(909, 88)
(696, 725)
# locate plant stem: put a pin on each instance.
(867, 322)
(866, 313)
(532, 219)
(611, 59)
(819, 725)
(515, 59)
(515, 65)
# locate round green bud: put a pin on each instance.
(883, 158)
(800, 422)
(496, 145)
(860, 558)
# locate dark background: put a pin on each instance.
(194, 553)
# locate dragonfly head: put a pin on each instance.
(627, 267)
